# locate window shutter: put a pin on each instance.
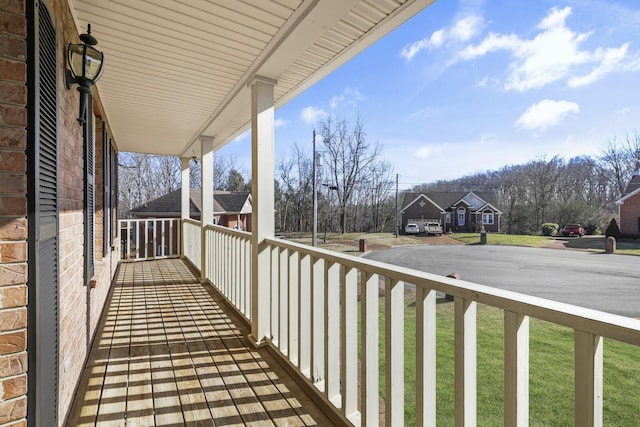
(106, 194)
(89, 204)
(42, 178)
(114, 192)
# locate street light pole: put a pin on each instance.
(314, 235)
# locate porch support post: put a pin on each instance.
(184, 194)
(262, 194)
(206, 200)
(184, 198)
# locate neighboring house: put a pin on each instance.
(629, 207)
(230, 209)
(455, 211)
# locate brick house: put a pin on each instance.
(230, 209)
(172, 86)
(629, 207)
(455, 210)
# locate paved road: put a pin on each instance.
(604, 282)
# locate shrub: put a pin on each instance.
(549, 228)
(613, 230)
(590, 229)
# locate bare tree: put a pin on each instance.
(379, 190)
(614, 159)
(348, 155)
(295, 175)
(144, 177)
(223, 165)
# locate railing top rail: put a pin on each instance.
(238, 233)
(168, 218)
(596, 322)
(191, 221)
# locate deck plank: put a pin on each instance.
(168, 354)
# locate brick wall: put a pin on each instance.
(80, 305)
(13, 211)
(629, 214)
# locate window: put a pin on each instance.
(447, 218)
(461, 216)
(487, 217)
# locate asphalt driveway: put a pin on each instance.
(604, 282)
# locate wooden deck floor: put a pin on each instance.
(168, 355)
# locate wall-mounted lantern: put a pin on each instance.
(85, 68)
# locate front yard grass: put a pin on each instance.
(628, 247)
(551, 371)
(623, 246)
(502, 239)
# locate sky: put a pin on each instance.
(474, 85)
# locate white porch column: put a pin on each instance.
(184, 198)
(206, 199)
(262, 193)
(184, 194)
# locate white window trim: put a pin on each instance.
(487, 218)
(462, 214)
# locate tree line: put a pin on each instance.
(582, 189)
(356, 188)
(144, 177)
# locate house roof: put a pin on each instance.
(633, 188)
(175, 71)
(224, 202)
(448, 199)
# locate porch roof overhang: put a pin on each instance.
(176, 70)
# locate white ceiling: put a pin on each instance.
(178, 69)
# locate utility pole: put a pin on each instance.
(396, 226)
(314, 234)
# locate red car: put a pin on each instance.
(573, 230)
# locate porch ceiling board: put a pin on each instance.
(176, 70)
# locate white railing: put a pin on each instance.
(314, 323)
(228, 265)
(324, 319)
(192, 233)
(149, 238)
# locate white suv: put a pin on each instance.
(411, 228)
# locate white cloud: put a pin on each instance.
(546, 113)
(461, 31)
(553, 54)
(484, 82)
(466, 28)
(425, 113)
(280, 123)
(424, 152)
(609, 60)
(312, 115)
(349, 97)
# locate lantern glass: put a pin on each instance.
(85, 62)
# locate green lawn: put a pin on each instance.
(630, 247)
(502, 239)
(551, 372)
